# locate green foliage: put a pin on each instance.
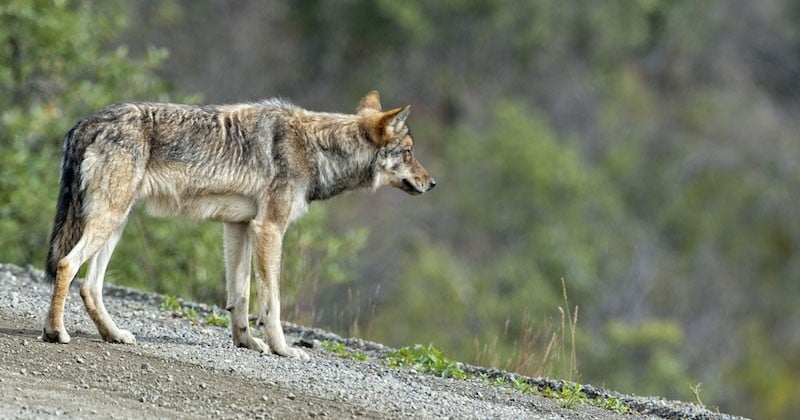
(218, 319)
(334, 347)
(610, 403)
(340, 349)
(499, 381)
(520, 384)
(572, 394)
(172, 305)
(426, 359)
(569, 396)
(54, 67)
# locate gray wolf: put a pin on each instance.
(254, 167)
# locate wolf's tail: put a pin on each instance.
(69, 221)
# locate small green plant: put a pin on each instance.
(217, 319)
(172, 305)
(568, 397)
(499, 381)
(341, 350)
(571, 395)
(520, 384)
(426, 359)
(610, 403)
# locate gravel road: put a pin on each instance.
(180, 369)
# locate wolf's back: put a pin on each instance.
(68, 223)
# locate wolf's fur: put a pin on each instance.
(254, 167)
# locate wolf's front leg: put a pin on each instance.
(268, 243)
(238, 251)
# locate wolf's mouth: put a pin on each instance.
(410, 188)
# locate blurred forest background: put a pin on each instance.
(645, 151)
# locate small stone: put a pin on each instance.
(291, 396)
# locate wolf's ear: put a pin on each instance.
(394, 121)
(369, 104)
(383, 127)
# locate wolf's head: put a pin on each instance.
(388, 132)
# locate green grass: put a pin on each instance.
(426, 359)
(569, 396)
(172, 305)
(218, 319)
(572, 394)
(340, 349)
(431, 360)
(521, 385)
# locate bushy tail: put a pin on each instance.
(68, 224)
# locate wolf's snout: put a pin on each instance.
(433, 184)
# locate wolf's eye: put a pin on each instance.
(406, 156)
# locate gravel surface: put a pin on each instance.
(180, 369)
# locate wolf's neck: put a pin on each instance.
(343, 159)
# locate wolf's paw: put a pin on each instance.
(55, 336)
(121, 336)
(252, 343)
(292, 352)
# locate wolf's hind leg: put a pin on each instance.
(238, 251)
(96, 233)
(92, 292)
(109, 182)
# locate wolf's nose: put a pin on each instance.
(433, 184)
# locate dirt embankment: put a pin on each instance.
(182, 369)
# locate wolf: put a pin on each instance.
(254, 167)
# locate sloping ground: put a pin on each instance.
(181, 369)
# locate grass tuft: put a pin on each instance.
(173, 305)
(426, 359)
(341, 350)
(538, 350)
(572, 394)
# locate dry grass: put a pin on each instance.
(543, 350)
